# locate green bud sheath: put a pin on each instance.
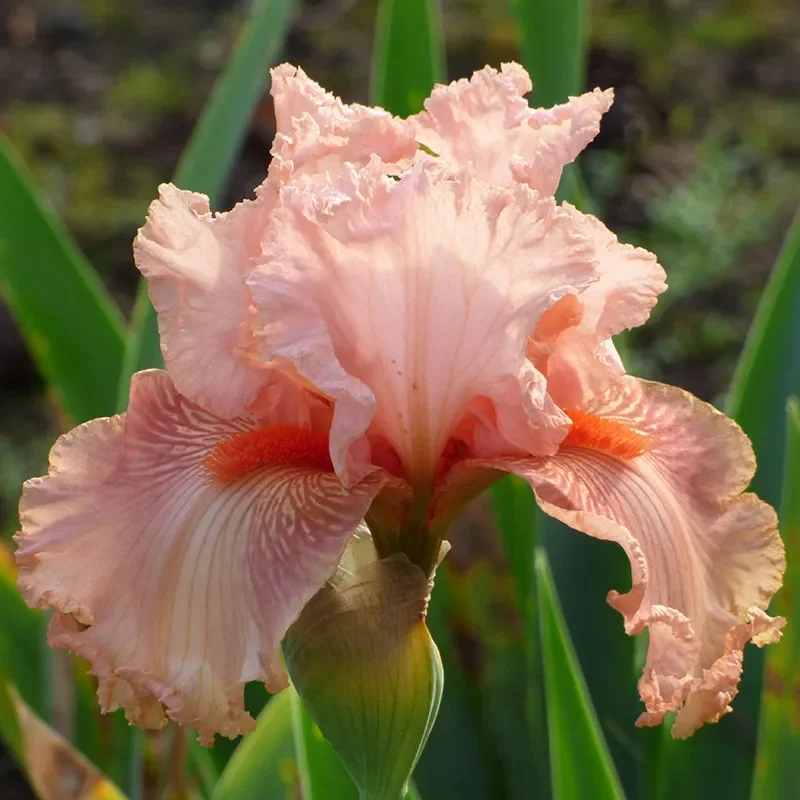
(367, 669)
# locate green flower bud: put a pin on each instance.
(367, 669)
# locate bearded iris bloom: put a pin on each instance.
(402, 315)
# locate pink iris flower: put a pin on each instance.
(401, 316)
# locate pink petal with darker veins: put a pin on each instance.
(705, 558)
(174, 575)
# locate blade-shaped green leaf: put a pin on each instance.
(768, 372)
(552, 44)
(212, 150)
(585, 569)
(321, 771)
(127, 756)
(88, 725)
(22, 641)
(720, 757)
(776, 769)
(201, 770)
(454, 763)
(580, 762)
(71, 326)
(408, 58)
(264, 764)
(516, 516)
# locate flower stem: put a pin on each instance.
(417, 540)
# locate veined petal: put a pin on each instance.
(409, 298)
(705, 558)
(486, 122)
(572, 345)
(316, 131)
(195, 263)
(176, 576)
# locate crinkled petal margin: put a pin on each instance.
(195, 263)
(407, 299)
(316, 131)
(705, 558)
(487, 123)
(178, 589)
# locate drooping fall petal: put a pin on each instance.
(195, 263)
(407, 299)
(572, 344)
(486, 122)
(661, 473)
(176, 549)
(316, 131)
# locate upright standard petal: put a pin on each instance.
(317, 131)
(572, 345)
(195, 263)
(661, 473)
(408, 299)
(486, 122)
(177, 548)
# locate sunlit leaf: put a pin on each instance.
(87, 723)
(201, 770)
(456, 760)
(768, 372)
(264, 765)
(776, 768)
(22, 640)
(321, 772)
(516, 515)
(70, 325)
(552, 45)
(581, 765)
(409, 54)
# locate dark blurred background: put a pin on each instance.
(698, 160)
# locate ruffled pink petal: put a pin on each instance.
(408, 298)
(195, 263)
(705, 558)
(572, 344)
(176, 584)
(316, 131)
(486, 122)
